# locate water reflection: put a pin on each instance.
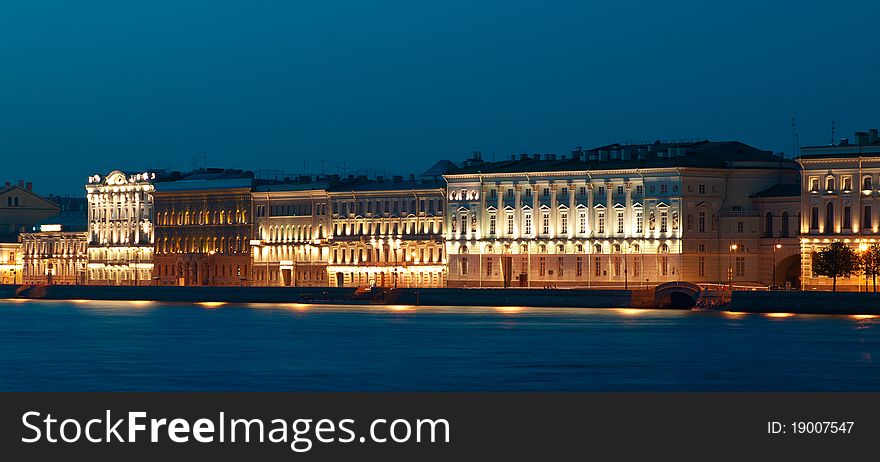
(138, 345)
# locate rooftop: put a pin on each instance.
(660, 154)
(780, 190)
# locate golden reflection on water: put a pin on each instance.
(212, 304)
(779, 315)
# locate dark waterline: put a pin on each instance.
(121, 346)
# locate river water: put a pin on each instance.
(150, 346)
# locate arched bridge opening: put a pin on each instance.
(677, 295)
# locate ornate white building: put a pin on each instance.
(387, 234)
(840, 199)
(120, 249)
(616, 216)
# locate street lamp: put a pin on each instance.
(776, 247)
(733, 248)
(862, 248)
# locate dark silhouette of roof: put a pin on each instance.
(70, 221)
(780, 190)
(706, 154)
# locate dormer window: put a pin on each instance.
(847, 184)
(814, 185)
(829, 185)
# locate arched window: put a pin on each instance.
(829, 184)
(579, 248)
(9, 201)
(597, 248)
(15, 201)
(829, 217)
(616, 248)
(768, 225)
(866, 184)
(663, 248)
(784, 224)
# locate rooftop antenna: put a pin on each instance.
(796, 143)
(833, 130)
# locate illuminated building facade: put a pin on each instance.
(840, 200)
(617, 216)
(11, 262)
(291, 228)
(20, 210)
(387, 233)
(203, 229)
(56, 251)
(120, 227)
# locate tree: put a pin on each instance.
(834, 261)
(870, 263)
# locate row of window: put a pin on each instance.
(371, 228)
(222, 245)
(203, 217)
(830, 183)
(291, 209)
(578, 248)
(619, 225)
(847, 218)
(397, 206)
(386, 255)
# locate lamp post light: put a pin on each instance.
(733, 248)
(776, 247)
(862, 248)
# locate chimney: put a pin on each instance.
(21, 183)
(29, 186)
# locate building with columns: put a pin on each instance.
(840, 200)
(203, 228)
(120, 227)
(617, 216)
(56, 250)
(291, 229)
(387, 233)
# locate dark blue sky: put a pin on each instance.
(89, 85)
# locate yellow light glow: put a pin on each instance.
(779, 315)
(733, 314)
(401, 307)
(860, 317)
(212, 304)
(141, 302)
(509, 309)
(81, 301)
(630, 311)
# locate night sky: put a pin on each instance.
(87, 86)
